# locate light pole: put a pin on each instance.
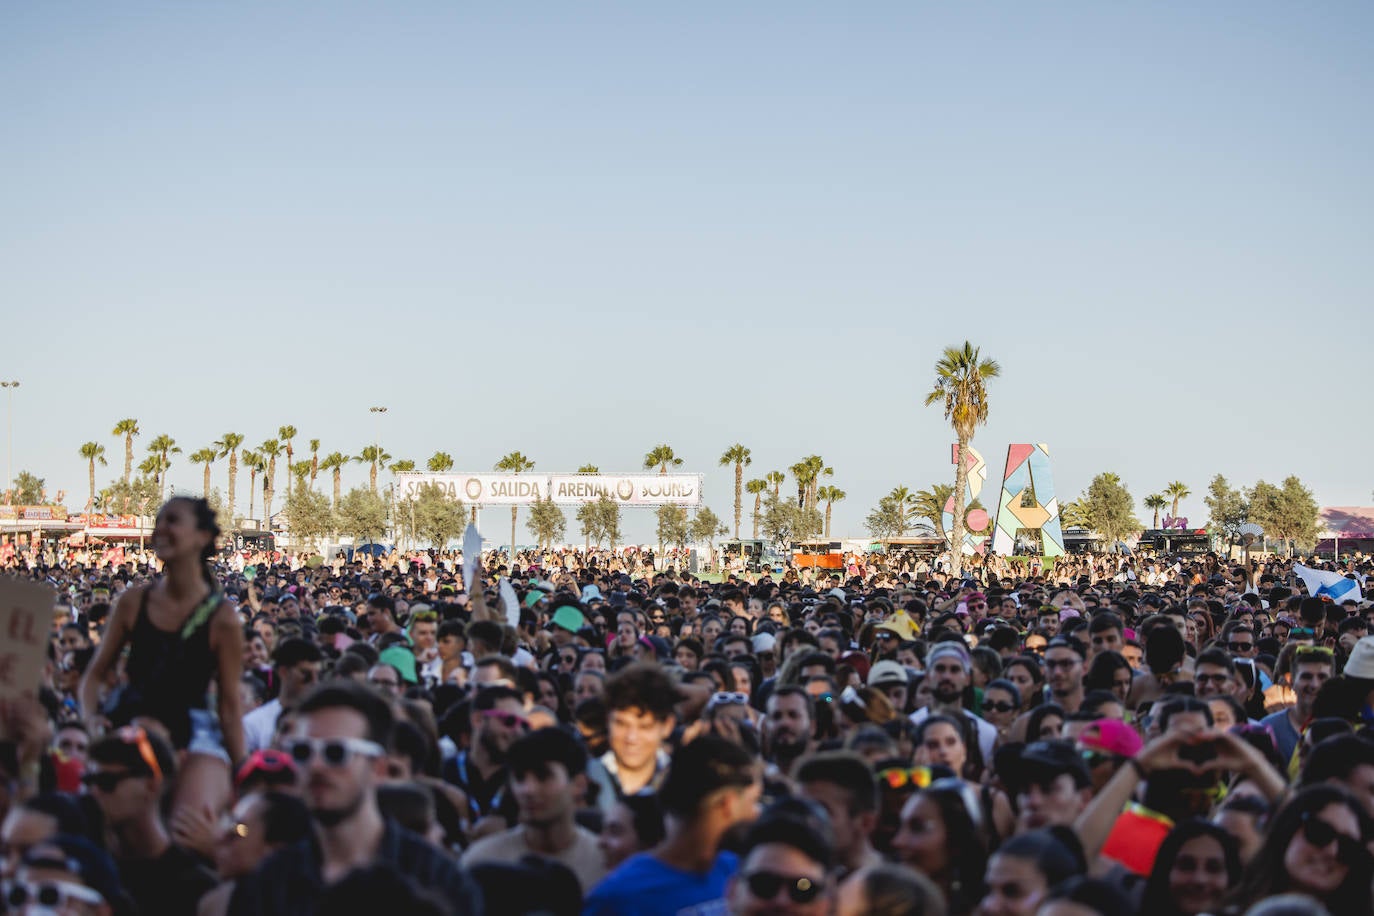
(9, 435)
(376, 428)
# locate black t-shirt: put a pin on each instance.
(170, 885)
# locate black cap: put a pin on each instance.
(1042, 762)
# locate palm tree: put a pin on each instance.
(269, 450)
(808, 472)
(228, 444)
(589, 469)
(905, 502)
(205, 456)
(334, 462)
(314, 461)
(1176, 491)
(153, 466)
(1156, 501)
(660, 457)
(740, 457)
(830, 496)
(372, 455)
(930, 504)
(514, 463)
(286, 434)
(93, 452)
(256, 464)
(961, 377)
(440, 462)
(128, 429)
(775, 480)
(300, 470)
(163, 446)
(757, 488)
(403, 466)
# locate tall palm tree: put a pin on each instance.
(334, 462)
(1156, 501)
(255, 463)
(830, 496)
(775, 480)
(228, 444)
(660, 457)
(314, 461)
(757, 487)
(514, 463)
(93, 452)
(286, 434)
(961, 376)
(740, 457)
(164, 446)
(128, 429)
(440, 462)
(205, 456)
(269, 450)
(372, 455)
(1178, 490)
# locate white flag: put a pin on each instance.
(1333, 585)
(472, 554)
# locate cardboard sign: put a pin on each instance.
(26, 613)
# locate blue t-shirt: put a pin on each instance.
(1285, 735)
(644, 886)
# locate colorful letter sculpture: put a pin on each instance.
(1028, 501)
(975, 520)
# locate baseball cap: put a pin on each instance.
(1110, 736)
(887, 672)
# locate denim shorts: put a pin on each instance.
(206, 737)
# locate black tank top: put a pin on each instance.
(170, 672)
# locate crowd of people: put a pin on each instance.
(579, 732)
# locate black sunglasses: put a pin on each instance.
(108, 780)
(765, 886)
(999, 707)
(1320, 833)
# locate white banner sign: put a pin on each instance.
(483, 489)
(628, 489)
(568, 489)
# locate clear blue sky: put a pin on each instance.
(582, 229)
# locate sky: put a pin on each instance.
(581, 230)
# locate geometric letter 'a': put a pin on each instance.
(1028, 501)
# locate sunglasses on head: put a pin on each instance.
(334, 752)
(765, 886)
(50, 894)
(901, 777)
